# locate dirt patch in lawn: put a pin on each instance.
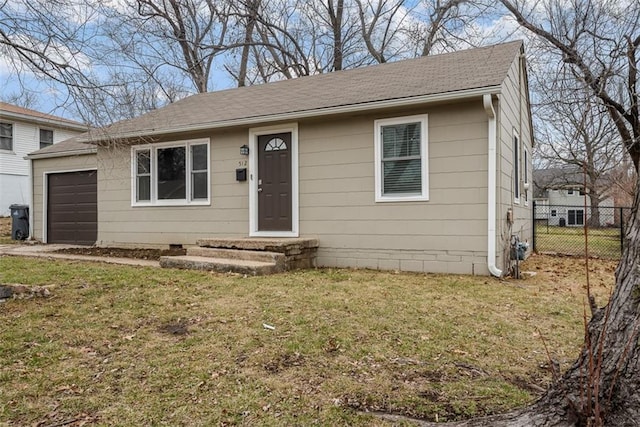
(568, 273)
(149, 254)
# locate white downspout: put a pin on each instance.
(491, 188)
(31, 206)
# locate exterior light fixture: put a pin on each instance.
(244, 150)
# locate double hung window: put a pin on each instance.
(6, 136)
(401, 159)
(46, 138)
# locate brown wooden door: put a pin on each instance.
(72, 208)
(274, 182)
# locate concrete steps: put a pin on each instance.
(247, 256)
(222, 265)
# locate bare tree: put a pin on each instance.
(598, 42)
(184, 35)
(382, 23)
(40, 36)
(50, 41)
(292, 38)
(573, 130)
(448, 25)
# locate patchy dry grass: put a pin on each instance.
(117, 345)
(5, 230)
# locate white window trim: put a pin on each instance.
(526, 159)
(187, 143)
(424, 157)
(13, 138)
(516, 171)
(253, 180)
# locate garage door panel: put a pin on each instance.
(72, 208)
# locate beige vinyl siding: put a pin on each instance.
(514, 114)
(56, 164)
(336, 196)
(445, 234)
(121, 224)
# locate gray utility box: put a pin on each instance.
(19, 222)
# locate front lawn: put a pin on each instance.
(117, 345)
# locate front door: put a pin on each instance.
(274, 182)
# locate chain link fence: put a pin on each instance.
(560, 229)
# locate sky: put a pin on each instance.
(50, 97)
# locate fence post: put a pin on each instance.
(621, 230)
(533, 236)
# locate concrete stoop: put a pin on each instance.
(247, 256)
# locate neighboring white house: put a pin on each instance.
(560, 199)
(23, 131)
(567, 208)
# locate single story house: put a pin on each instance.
(418, 165)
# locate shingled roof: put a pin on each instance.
(69, 147)
(15, 112)
(377, 86)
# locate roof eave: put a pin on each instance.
(68, 153)
(42, 120)
(342, 109)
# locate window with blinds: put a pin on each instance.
(401, 154)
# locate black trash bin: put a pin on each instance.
(19, 222)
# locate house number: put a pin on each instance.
(242, 163)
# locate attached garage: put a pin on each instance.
(64, 203)
(72, 207)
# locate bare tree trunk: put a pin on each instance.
(252, 9)
(594, 216)
(335, 15)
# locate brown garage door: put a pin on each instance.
(72, 208)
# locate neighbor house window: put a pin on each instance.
(570, 192)
(6, 136)
(171, 174)
(575, 217)
(401, 159)
(554, 212)
(516, 167)
(46, 138)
